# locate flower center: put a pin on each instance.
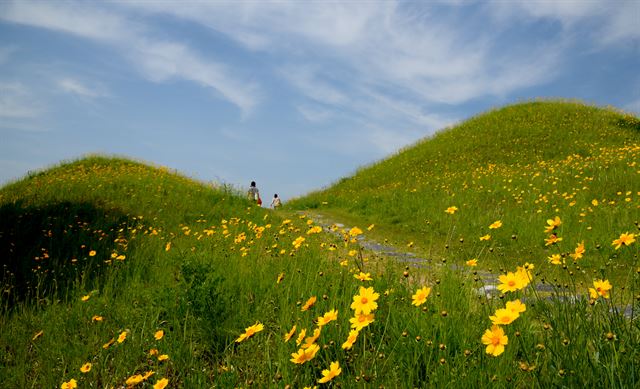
(364, 300)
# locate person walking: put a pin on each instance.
(254, 194)
(275, 203)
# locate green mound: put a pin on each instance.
(522, 164)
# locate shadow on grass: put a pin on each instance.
(45, 250)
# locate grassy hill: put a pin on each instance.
(120, 274)
(520, 165)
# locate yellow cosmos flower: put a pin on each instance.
(578, 252)
(134, 380)
(601, 288)
(163, 357)
(361, 320)
(309, 304)
(420, 297)
(250, 331)
(363, 276)
(327, 318)
(148, 374)
(301, 336)
(344, 263)
(451, 210)
(329, 374)
(552, 224)
(370, 227)
(298, 242)
(96, 318)
(516, 306)
(122, 336)
(86, 367)
(161, 384)
(510, 282)
(92, 253)
(552, 239)
(495, 224)
(504, 316)
(153, 351)
(314, 230)
(305, 354)
(624, 239)
(365, 301)
(289, 334)
(167, 247)
(71, 384)
(472, 262)
(485, 237)
(355, 231)
(555, 259)
(159, 334)
(495, 339)
(86, 297)
(351, 339)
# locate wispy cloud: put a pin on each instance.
(76, 87)
(157, 59)
(17, 102)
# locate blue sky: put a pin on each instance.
(293, 95)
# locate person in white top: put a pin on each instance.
(275, 203)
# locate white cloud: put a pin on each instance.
(79, 88)
(158, 60)
(17, 102)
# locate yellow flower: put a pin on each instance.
(159, 334)
(329, 374)
(86, 297)
(86, 367)
(250, 331)
(555, 259)
(495, 339)
(363, 276)
(312, 339)
(624, 239)
(495, 224)
(516, 306)
(161, 384)
(370, 227)
(289, 334)
(298, 242)
(328, 317)
(280, 278)
(305, 354)
(92, 253)
(153, 351)
(472, 262)
(420, 297)
(167, 247)
(310, 303)
(314, 230)
(71, 384)
(510, 282)
(361, 320)
(355, 231)
(134, 380)
(109, 343)
(552, 224)
(163, 357)
(148, 374)
(344, 263)
(451, 210)
(552, 239)
(96, 318)
(365, 301)
(485, 237)
(122, 336)
(504, 316)
(602, 288)
(578, 252)
(301, 336)
(351, 339)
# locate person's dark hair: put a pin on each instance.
(253, 183)
(275, 195)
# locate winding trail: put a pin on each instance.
(486, 279)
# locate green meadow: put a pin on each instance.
(120, 274)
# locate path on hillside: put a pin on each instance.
(487, 280)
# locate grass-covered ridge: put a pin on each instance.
(522, 165)
(120, 274)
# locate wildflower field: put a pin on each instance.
(119, 274)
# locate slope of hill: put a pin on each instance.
(520, 165)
